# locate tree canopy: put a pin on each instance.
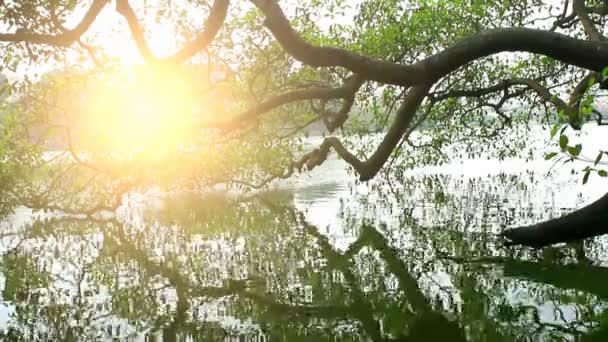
(222, 92)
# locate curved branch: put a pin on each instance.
(592, 55)
(214, 23)
(545, 94)
(585, 54)
(589, 221)
(581, 88)
(216, 18)
(66, 38)
(533, 84)
(335, 120)
(582, 12)
(346, 91)
(124, 8)
(369, 168)
(290, 40)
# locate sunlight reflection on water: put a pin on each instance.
(366, 263)
(547, 189)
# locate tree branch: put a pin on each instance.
(381, 71)
(369, 168)
(66, 38)
(581, 88)
(582, 12)
(545, 94)
(335, 120)
(583, 223)
(216, 18)
(346, 91)
(533, 84)
(591, 55)
(124, 8)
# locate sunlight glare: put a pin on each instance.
(141, 110)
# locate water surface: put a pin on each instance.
(319, 258)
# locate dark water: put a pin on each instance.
(322, 259)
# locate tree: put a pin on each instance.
(428, 83)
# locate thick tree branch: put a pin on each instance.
(581, 53)
(589, 221)
(381, 71)
(66, 38)
(591, 55)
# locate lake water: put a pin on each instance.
(318, 258)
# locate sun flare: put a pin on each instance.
(140, 110)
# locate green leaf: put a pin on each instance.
(586, 176)
(602, 173)
(576, 150)
(550, 155)
(554, 129)
(598, 158)
(563, 142)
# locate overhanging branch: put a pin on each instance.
(584, 223)
(591, 55)
(290, 40)
(346, 91)
(137, 32)
(214, 23)
(66, 38)
(369, 168)
(533, 84)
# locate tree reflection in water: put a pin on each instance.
(211, 267)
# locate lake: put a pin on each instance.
(318, 258)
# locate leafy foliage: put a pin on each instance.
(485, 108)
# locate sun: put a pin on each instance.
(138, 110)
